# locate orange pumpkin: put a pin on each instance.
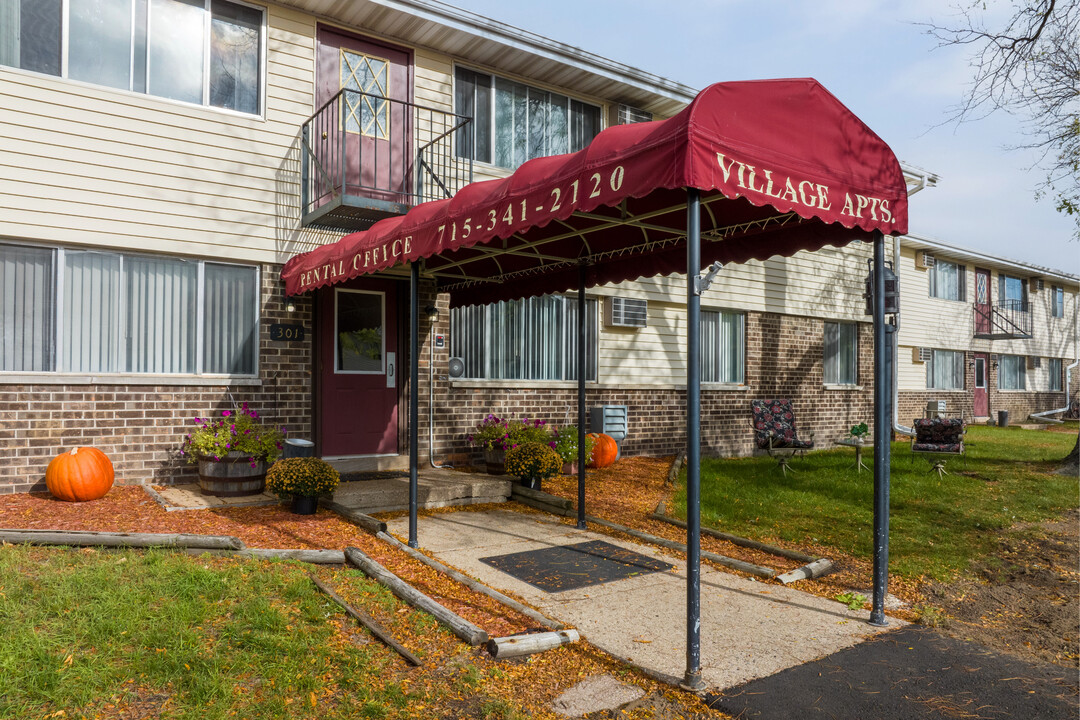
(605, 450)
(79, 475)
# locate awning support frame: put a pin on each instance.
(693, 442)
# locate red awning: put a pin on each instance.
(782, 165)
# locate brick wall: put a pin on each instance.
(1020, 404)
(783, 359)
(140, 427)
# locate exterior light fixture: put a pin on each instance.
(892, 290)
(290, 306)
(432, 313)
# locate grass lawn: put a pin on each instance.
(88, 633)
(937, 525)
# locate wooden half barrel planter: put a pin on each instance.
(232, 475)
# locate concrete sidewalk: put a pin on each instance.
(749, 629)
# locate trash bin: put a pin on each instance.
(296, 447)
(1003, 418)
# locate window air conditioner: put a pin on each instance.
(1037, 284)
(629, 115)
(625, 312)
(924, 260)
(1034, 362)
(920, 354)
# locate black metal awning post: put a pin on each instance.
(414, 396)
(693, 441)
(581, 397)
(882, 427)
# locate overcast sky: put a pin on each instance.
(875, 59)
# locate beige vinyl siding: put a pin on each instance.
(87, 165)
(910, 375)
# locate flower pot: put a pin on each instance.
(569, 468)
(232, 475)
(533, 483)
(305, 504)
(496, 461)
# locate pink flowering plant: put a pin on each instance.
(239, 430)
(495, 433)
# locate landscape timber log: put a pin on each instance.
(741, 541)
(676, 465)
(365, 521)
(527, 644)
(750, 568)
(458, 625)
(822, 566)
(84, 538)
(540, 496)
(316, 557)
(367, 621)
(472, 584)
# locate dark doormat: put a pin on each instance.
(568, 567)
(908, 674)
(374, 475)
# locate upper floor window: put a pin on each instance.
(79, 311)
(514, 122)
(945, 370)
(1053, 369)
(530, 339)
(948, 280)
(207, 52)
(1057, 302)
(1011, 372)
(723, 346)
(1012, 292)
(841, 353)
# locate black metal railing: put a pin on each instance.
(364, 156)
(1006, 319)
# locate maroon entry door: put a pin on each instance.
(357, 365)
(982, 301)
(370, 149)
(981, 399)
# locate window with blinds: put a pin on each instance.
(723, 346)
(80, 311)
(841, 359)
(530, 339)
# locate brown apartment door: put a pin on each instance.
(982, 301)
(981, 400)
(364, 139)
(357, 364)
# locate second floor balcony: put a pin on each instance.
(365, 157)
(1005, 320)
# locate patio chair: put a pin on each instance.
(938, 436)
(774, 431)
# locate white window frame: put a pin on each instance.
(338, 292)
(1053, 371)
(58, 270)
(205, 102)
(938, 356)
(490, 161)
(1019, 369)
(565, 342)
(740, 350)
(1057, 301)
(837, 380)
(961, 281)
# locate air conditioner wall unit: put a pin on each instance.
(626, 312)
(920, 354)
(628, 114)
(1034, 362)
(1037, 284)
(924, 260)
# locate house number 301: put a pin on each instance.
(286, 333)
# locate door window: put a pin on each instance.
(359, 337)
(980, 373)
(367, 111)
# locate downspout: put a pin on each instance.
(897, 427)
(1043, 416)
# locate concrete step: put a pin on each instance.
(435, 488)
